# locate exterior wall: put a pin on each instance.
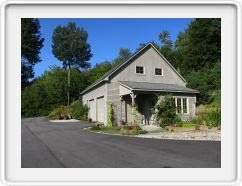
(150, 60)
(114, 98)
(94, 94)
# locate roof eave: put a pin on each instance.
(159, 90)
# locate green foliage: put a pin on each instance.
(124, 53)
(165, 111)
(69, 45)
(198, 54)
(96, 127)
(49, 92)
(60, 113)
(31, 43)
(185, 124)
(79, 111)
(123, 130)
(167, 46)
(211, 117)
(76, 110)
(134, 114)
(216, 103)
(110, 115)
(200, 44)
(97, 71)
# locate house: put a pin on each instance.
(142, 79)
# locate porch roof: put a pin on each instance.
(160, 87)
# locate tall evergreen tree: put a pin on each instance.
(31, 43)
(69, 45)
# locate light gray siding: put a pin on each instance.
(150, 60)
(114, 98)
(100, 91)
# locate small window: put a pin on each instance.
(184, 105)
(158, 71)
(139, 70)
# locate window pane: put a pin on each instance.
(184, 105)
(140, 70)
(158, 71)
(178, 105)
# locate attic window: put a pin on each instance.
(158, 72)
(139, 70)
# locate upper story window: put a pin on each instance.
(140, 70)
(158, 72)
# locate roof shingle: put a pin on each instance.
(146, 86)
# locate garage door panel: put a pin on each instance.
(92, 110)
(100, 109)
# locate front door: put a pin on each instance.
(145, 103)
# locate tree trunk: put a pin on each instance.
(68, 84)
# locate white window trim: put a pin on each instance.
(162, 74)
(139, 73)
(188, 111)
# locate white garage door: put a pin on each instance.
(100, 109)
(92, 110)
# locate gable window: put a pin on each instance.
(139, 70)
(158, 72)
(181, 105)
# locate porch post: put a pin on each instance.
(133, 96)
(121, 108)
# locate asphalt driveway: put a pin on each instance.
(56, 145)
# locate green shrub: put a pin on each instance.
(96, 127)
(214, 118)
(211, 117)
(130, 130)
(134, 113)
(185, 124)
(165, 112)
(143, 132)
(110, 115)
(62, 112)
(195, 121)
(79, 111)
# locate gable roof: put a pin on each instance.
(161, 87)
(113, 70)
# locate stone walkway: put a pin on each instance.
(209, 135)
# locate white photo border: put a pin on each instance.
(4, 5)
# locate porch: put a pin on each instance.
(145, 96)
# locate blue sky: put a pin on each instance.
(106, 36)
